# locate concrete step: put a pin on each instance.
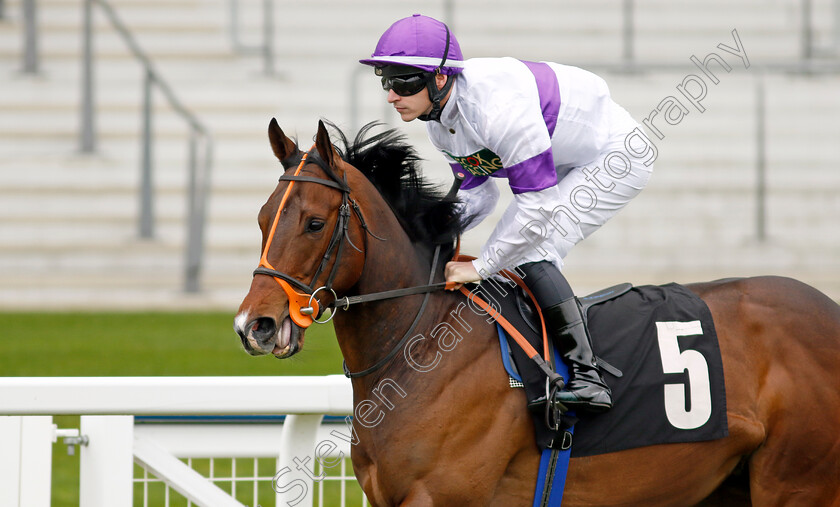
(572, 30)
(65, 43)
(62, 194)
(111, 288)
(132, 256)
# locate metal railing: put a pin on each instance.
(109, 440)
(266, 47)
(30, 36)
(200, 158)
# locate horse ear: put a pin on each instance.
(325, 147)
(283, 147)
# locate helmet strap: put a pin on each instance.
(436, 96)
(445, 50)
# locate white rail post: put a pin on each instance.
(26, 461)
(36, 441)
(10, 460)
(107, 462)
(294, 481)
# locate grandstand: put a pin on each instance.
(749, 186)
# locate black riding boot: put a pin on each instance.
(586, 390)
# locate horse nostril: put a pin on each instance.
(263, 329)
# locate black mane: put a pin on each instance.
(392, 165)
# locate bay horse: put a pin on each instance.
(453, 433)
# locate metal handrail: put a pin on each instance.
(836, 15)
(200, 162)
(266, 48)
(30, 37)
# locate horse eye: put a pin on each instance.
(314, 225)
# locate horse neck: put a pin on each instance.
(368, 332)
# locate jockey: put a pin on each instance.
(572, 158)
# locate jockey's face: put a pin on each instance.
(412, 106)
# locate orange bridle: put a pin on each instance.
(304, 307)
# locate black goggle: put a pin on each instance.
(404, 86)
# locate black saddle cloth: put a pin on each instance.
(663, 340)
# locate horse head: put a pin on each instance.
(318, 241)
(311, 246)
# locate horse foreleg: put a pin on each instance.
(419, 496)
(785, 473)
(797, 483)
(734, 492)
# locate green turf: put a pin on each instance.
(127, 344)
(111, 344)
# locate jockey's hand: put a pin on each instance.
(461, 273)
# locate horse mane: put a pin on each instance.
(426, 213)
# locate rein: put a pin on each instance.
(376, 296)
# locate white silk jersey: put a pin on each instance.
(548, 129)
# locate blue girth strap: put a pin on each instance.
(551, 481)
(554, 463)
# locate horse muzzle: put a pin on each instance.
(262, 335)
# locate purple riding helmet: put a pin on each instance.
(418, 46)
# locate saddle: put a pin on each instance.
(526, 309)
(518, 308)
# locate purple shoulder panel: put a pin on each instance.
(549, 90)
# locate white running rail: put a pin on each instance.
(303, 446)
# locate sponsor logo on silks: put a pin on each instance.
(480, 163)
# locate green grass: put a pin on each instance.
(121, 344)
(140, 344)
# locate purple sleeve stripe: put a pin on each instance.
(536, 173)
(549, 91)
